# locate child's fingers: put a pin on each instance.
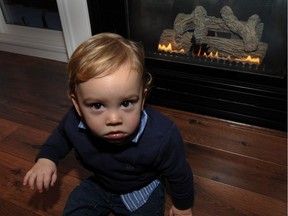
(29, 179)
(54, 178)
(47, 181)
(26, 177)
(39, 183)
(41, 175)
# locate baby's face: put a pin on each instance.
(111, 105)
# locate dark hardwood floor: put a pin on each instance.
(239, 169)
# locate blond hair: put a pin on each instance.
(102, 53)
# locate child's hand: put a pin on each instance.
(42, 174)
(176, 212)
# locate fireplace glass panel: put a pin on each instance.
(235, 35)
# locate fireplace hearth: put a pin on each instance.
(226, 58)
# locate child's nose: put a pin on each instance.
(113, 118)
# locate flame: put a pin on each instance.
(199, 51)
(248, 59)
(165, 48)
(169, 48)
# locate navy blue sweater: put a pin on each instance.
(124, 168)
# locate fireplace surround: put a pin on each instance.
(225, 59)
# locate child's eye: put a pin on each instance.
(96, 106)
(127, 103)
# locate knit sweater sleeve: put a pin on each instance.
(57, 146)
(175, 169)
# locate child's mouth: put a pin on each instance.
(115, 136)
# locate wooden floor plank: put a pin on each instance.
(246, 173)
(39, 98)
(218, 199)
(7, 128)
(25, 142)
(264, 144)
(49, 203)
(212, 197)
(9, 209)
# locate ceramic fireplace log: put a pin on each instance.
(246, 31)
(217, 25)
(177, 41)
(194, 21)
(184, 23)
(234, 48)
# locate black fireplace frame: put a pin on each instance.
(248, 98)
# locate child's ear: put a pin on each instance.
(76, 104)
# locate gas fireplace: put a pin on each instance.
(226, 39)
(225, 58)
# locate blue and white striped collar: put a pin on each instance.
(143, 121)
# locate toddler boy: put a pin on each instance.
(130, 148)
